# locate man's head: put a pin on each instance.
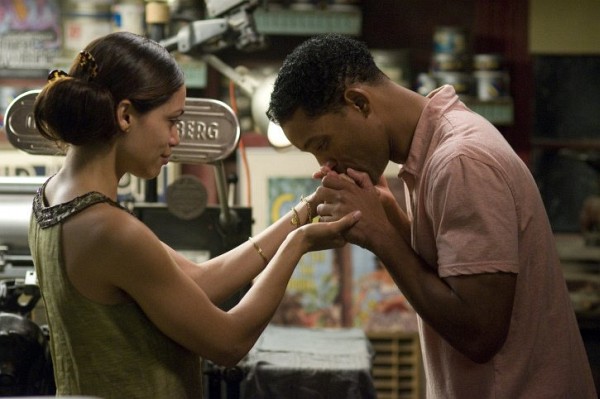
(315, 75)
(323, 99)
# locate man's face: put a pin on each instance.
(340, 140)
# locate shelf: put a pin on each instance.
(572, 248)
(397, 364)
(499, 112)
(27, 74)
(194, 70)
(583, 144)
(308, 22)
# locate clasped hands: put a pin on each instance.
(341, 194)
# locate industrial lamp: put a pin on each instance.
(235, 26)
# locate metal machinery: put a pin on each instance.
(15, 208)
(209, 133)
(25, 364)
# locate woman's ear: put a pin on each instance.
(124, 115)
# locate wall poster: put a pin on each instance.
(344, 287)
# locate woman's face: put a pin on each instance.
(151, 137)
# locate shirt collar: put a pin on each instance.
(441, 99)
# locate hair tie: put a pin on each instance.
(57, 74)
(88, 64)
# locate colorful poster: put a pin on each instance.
(344, 287)
(30, 34)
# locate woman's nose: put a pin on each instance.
(174, 140)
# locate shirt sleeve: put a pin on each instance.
(474, 218)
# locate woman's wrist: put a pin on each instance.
(302, 213)
(259, 250)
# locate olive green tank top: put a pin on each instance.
(108, 351)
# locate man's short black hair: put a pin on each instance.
(314, 76)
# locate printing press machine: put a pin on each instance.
(16, 194)
(25, 364)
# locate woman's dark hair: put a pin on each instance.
(314, 76)
(81, 108)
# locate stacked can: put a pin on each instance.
(312, 5)
(84, 21)
(491, 78)
(394, 63)
(449, 61)
(128, 15)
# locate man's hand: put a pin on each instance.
(395, 214)
(341, 194)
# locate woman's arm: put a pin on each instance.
(224, 275)
(120, 253)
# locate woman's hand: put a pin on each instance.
(381, 213)
(326, 235)
(339, 197)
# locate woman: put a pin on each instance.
(129, 317)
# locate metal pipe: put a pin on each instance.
(227, 217)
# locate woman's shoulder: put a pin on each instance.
(104, 222)
(102, 246)
(107, 237)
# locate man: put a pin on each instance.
(473, 253)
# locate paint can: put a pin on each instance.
(449, 39)
(129, 16)
(488, 62)
(462, 82)
(425, 84)
(491, 85)
(394, 63)
(447, 62)
(84, 21)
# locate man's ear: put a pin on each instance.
(357, 99)
(124, 114)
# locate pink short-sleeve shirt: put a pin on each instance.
(477, 209)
